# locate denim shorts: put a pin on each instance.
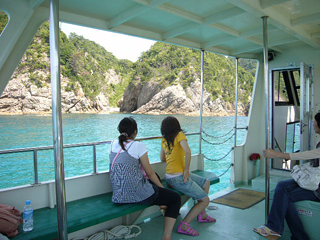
(192, 188)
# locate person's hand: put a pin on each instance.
(269, 153)
(186, 176)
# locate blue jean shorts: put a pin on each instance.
(192, 188)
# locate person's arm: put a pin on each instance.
(270, 153)
(187, 158)
(305, 155)
(144, 159)
(162, 156)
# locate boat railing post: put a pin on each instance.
(57, 119)
(94, 159)
(236, 107)
(35, 166)
(267, 113)
(201, 101)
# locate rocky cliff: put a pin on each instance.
(21, 96)
(152, 98)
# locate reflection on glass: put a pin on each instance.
(293, 135)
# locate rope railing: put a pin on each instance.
(218, 143)
(219, 159)
(207, 134)
(225, 171)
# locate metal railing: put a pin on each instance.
(94, 145)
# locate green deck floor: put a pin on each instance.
(232, 223)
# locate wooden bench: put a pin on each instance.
(86, 212)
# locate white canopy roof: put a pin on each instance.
(230, 27)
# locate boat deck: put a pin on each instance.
(232, 223)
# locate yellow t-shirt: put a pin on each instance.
(174, 155)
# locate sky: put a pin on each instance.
(120, 45)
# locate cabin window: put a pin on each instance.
(293, 137)
(286, 86)
(292, 144)
(3, 21)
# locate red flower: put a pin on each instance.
(254, 156)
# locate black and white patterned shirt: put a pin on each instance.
(128, 183)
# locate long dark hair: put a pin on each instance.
(317, 118)
(170, 127)
(126, 128)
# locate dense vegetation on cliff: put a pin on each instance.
(86, 63)
(171, 64)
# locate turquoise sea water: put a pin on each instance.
(34, 131)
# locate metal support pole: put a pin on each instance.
(267, 113)
(35, 166)
(57, 119)
(201, 101)
(95, 159)
(236, 107)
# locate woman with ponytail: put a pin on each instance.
(128, 158)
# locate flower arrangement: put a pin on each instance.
(254, 156)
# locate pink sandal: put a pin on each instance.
(208, 219)
(190, 231)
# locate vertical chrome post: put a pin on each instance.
(35, 166)
(201, 101)
(94, 159)
(267, 113)
(57, 119)
(236, 107)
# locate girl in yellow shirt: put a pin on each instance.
(175, 151)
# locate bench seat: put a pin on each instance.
(85, 213)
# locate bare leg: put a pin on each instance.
(194, 212)
(168, 226)
(206, 188)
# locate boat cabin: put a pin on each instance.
(283, 36)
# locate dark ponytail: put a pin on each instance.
(317, 118)
(126, 128)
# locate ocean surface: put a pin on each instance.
(24, 131)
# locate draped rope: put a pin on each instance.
(218, 158)
(218, 143)
(210, 159)
(118, 232)
(216, 136)
(225, 171)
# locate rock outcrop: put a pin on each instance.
(21, 96)
(176, 100)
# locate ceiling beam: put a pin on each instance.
(35, 3)
(269, 3)
(134, 12)
(272, 45)
(205, 22)
(178, 12)
(180, 30)
(245, 35)
(81, 20)
(196, 19)
(277, 19)
(255, 31)
(305, 19)
(217, 41)
(218, 17)
(225, 29)
(175, 11)
(315, 35)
